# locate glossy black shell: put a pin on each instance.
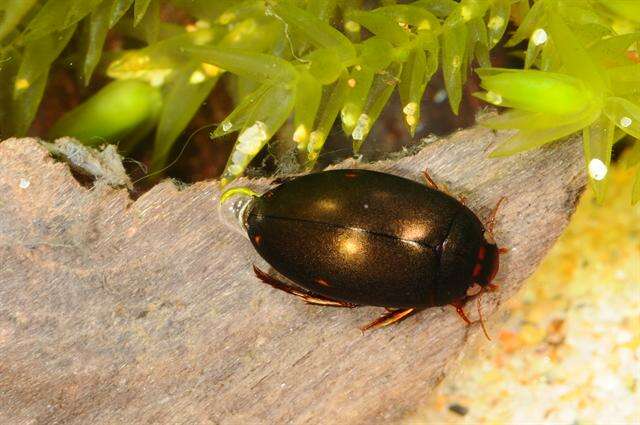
(368, 238)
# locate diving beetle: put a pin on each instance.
(355, 237)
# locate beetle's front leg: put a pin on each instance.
(432, 184)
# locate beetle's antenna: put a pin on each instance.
(484, 329)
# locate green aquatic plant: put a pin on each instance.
(295, 67)
(586, 80)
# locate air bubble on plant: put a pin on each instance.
(625, 122)
(597, 169)
(197, 77)
(539, 37)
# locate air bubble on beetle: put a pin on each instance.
(234, 206)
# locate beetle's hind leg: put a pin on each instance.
(308, 297)
(393, 316)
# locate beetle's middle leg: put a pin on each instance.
(308, 297)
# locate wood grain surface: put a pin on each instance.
(114, 311)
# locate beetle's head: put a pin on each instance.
(487, 263)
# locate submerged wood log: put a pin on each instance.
(147, 311)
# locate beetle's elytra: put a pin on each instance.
(359, 237)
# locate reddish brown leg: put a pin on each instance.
(308, 297)
(481, 320)
(492, 216)
(432, 184)
(459, 306)
(389, 318)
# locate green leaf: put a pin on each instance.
(499, 14)
(632, 158)
(440, 8)
(431, 46)
(264, 118)
(575, 58)
(308, 96)
(376, 53)
(479, 46)
(358, 86)
(37, 58)
(120, 7)
(9, 63)
(531, 22)
(253, 36)
(549, 58)
(323, 9)
(624, 8)
(150, 22)
(238, 118)
(585, 22)
(417, 17)
(536, 91)
(187, 91)
(25, 107)
(324, 65)
(466, 11)
(453, 58)
(625, 114)
(156, 62)
(112, 115)
(319, 33)
(519, 10)
(238, 11)
(381, 90)
(259, 66)
(332, 101)
(625, 79)
(57, 15)
(95, 34)
(413, 83)
(379, 25)
(526, 120)
(139, 10)
(534, 48)
(531, 139)
(612, 51)
(206, 9)
(12, 13)
(598, 141)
